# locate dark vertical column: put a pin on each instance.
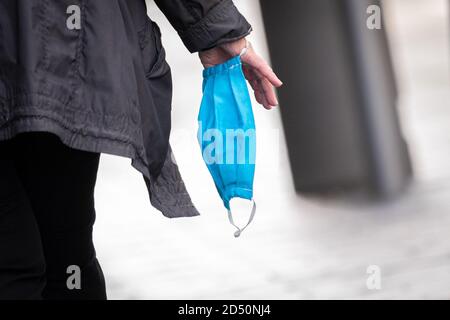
(338, 103)
(388, 158)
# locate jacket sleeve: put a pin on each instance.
(203, 24)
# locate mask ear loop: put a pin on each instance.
(245, 49)
(239, 230)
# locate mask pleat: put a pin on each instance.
(226, 110)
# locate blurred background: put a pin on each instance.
(352, 169)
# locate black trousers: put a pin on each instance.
(46, 220)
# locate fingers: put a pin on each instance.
(262, 78)
(252, 79)
(263, 89)
(266, 88)
(268, 92)
(259, 64)
(262, 100)
(256, 70)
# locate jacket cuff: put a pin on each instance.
(223, 23)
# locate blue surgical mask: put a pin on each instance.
(227, 134)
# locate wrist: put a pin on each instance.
(236, 47)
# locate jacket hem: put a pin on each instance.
(98, 144)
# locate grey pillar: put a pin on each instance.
(338, 103)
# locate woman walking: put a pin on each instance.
(77, 79)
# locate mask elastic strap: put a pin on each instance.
(239, 230)
(245, 49)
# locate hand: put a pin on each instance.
(256, 70)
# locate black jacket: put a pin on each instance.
(105, 86)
